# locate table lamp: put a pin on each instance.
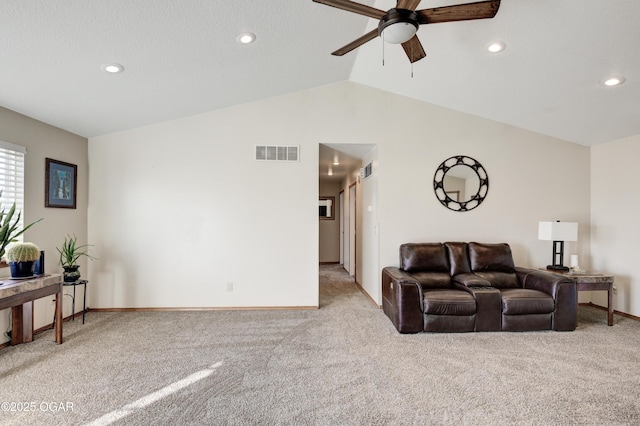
(558, 232)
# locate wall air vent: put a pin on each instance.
(277, 153)
(367, 170)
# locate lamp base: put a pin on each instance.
(559, 268)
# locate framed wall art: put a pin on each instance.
(60, 184)
(326, 206)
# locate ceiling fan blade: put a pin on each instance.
(354, 7)
(357, 43)
(413, 49)
(459, 12)
(407, 4)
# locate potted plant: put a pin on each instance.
(22, 259)
(9, 226)
(70, 252)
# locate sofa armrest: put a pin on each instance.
(561, 288)
(402, 300)
(470, 280)
(488, 303)
(546, 282)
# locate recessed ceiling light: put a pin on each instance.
(246, 38)
(112, 68)
(613, 81)
(496, 47)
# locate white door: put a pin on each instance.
(345, 241)
(352, 231)
(342, 214)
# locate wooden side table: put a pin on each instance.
(20, 294)
(593, 282)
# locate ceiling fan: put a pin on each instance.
(400, 24)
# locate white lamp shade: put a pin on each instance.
(558, 231)
(399, 32)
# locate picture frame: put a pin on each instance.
(326, 208)
(60, 184)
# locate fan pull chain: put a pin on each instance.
(412, 52)
(383, 43)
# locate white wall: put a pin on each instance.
(42, 141)
(189, 189)
(532, 178)
(368, 261)
(614, 220)
(180, 209)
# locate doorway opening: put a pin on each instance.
(340, 176)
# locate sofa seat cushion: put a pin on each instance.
(433, 279)
(521, 301)
(448, 302)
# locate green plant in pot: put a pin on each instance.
(70, 252)
(9, 222)
(22, 258)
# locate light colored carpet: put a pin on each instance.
(343, 364)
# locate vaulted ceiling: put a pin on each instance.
(181, 58)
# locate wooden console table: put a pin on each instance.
(20, 294)
(593, 282)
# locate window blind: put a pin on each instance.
(12, 178)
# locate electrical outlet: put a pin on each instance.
(229, 286)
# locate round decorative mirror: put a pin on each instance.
(461, 183)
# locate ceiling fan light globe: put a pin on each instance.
(398, 26)
(399, 32)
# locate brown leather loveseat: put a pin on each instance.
(461, 287)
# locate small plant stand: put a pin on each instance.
(74, 284)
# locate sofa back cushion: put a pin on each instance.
(494, 263)
(458, 258)
(423, 257)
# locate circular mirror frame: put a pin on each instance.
(475, 200)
